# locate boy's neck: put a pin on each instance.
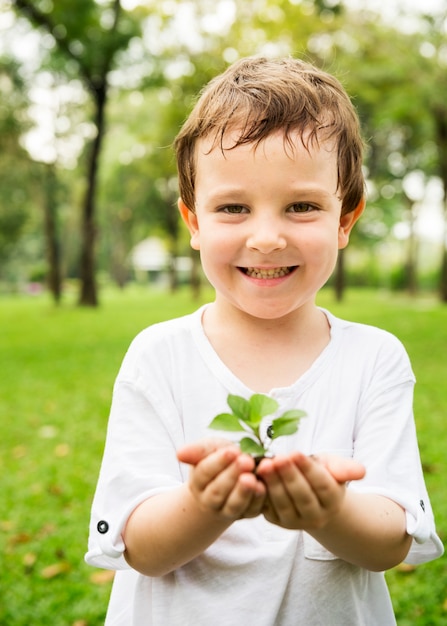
(267, 353)
(221, 317)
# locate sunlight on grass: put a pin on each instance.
(57, 370)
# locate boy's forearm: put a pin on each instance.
(369, 531)
(169, 530)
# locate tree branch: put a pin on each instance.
(43, 20)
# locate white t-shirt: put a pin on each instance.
(358, 399)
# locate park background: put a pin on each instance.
(91, 248)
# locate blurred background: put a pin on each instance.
(92, 94)
(94, 91)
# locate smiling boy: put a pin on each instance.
(271, 186)
(268, 224)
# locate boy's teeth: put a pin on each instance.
(277, 272)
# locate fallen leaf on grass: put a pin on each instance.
(102, 577)
(19, 452)
(19, 538)
(405, 568)
(56, 569)
(46, 530)
(55, 490)
(62, 450)
(48, 432)
(29, 559)
(430, 468)
(37, 489)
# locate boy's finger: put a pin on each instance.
(271, 472)
(217, 479)
(246, 498)
(213, 466)
(343, 470)
(193, 453)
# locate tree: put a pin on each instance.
(434, 84)
(139, 194)
(441, 135)
(394, 127)
(54, 275)
(14, 164)
(90, 36)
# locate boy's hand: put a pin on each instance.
(222, 479)
(305, 492)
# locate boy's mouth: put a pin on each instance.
(272, 272)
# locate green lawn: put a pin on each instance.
(56, 374)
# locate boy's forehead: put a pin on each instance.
(292, 141)
(273, 163)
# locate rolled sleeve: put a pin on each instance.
(131, 472)
(420, 523)
(106, 544)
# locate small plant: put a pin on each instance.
(246, 417)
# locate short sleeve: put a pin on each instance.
(131, 473)
(386, 443)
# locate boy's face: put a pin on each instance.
(267, 223)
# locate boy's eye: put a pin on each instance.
(301, 207)
(235, 209)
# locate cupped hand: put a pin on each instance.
(305, 492)
(222, 480)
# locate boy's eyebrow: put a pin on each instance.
(236, 193)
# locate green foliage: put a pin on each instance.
(14, 164)
(88, 33)
(396, 79)
(247, 416)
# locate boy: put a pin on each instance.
(271, 186)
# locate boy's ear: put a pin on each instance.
(347, 222)
(192, 224)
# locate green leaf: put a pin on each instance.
(284, 426)
(260, 406)
(249, 446)
(240, 407)
(294, 414)
(226, 421)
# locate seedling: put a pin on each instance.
(247, 415)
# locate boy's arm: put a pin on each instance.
(309, 494)
(171, 528)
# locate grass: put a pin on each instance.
(57, 371)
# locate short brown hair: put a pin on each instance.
(259, 96)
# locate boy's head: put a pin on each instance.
(257, 97)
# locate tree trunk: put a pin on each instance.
(95, 78)
(411, 264)
(173, 230)
(441, 136)
(195, 280)
(443, 281)
(89, 292)
(339, 279)
(54, 276)
(443, 272)
(117, 267)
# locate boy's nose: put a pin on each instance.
(266, 236)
